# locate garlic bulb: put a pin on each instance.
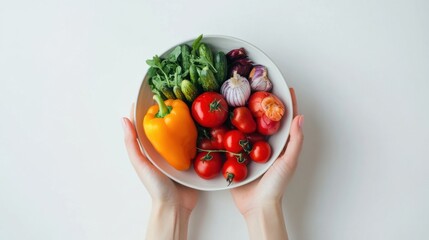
(259, 80)
(236, 90)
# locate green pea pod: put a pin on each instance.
(206, 52)
(208, 80)
(221, 67)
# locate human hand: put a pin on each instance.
(172, 203)
(262, 197)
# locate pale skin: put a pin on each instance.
(261, 206)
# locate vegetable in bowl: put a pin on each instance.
(170, 129)
(209, 141)
(187, 71)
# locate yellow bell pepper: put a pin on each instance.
(170, 128)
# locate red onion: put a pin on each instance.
(241, 66)
(236, 90)
(236, 54)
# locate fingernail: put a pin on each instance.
(301, 121)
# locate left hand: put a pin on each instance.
(162, 189)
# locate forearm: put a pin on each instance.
(266, 222)
(168, 222)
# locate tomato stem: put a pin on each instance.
(215, 105)
(229, 178)
(218, 150)
(207, 157)
(246, 145)
(240, 159)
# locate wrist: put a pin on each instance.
(260, 206)
(169, 208)
(266, 221)
(168, 221)
(171, 211)
(262, 210)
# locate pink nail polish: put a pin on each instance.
(301, 121)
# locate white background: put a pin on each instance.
(69, 71)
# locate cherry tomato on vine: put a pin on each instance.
(235, 141)
(243, 120)
(241, 157)
(233, 171)
(212, 138)
(217, 136)
(210, 109)
(205, 144)
(261, 152)
(208, 164)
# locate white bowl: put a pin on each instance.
(277, 141)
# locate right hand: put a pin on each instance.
(270, 188)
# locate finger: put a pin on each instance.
(289, 160)
(133, 148)
(132, 119)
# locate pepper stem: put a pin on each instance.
(163, 109)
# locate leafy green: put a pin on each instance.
(183, 62)
(204, 62)
(174, 55)
(196, 44)
(151, 72)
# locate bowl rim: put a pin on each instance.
(228, 187)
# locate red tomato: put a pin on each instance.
(261, 152)
(210, 109)
(255, 137)
(266, 126)
(232, 170)
(212, 139)
(235, 141)
(255, 103)
(242, 157)
(205, 144)
(243, 120)
(208, 164)
(217, 136)
(268, 104)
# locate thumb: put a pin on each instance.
(137, 158)
(288, 162)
